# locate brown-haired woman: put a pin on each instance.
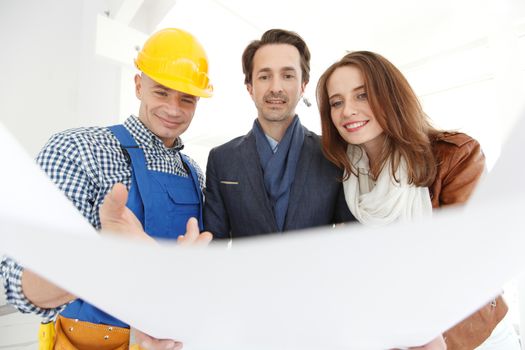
(398, 167)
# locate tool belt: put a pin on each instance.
(70, 334)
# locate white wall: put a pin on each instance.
(51, 78)
(477, 84)
(54, 79)
(461, 58)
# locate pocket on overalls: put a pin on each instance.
(78, 335)
(186, 204)
(170, 210)
(186, 201)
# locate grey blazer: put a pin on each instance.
(236, 201)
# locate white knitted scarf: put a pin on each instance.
(381, 202)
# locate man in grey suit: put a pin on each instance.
(275, 178)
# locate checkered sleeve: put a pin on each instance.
(11, 273)
(61, 161)
(70, 166)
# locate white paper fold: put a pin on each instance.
(344, 288)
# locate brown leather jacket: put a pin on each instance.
(460, 166)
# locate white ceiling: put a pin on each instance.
(408, 32)
(402, 30)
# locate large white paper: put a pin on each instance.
(340, 289)
(343, 288)
(28, 195)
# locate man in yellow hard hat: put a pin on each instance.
(144, 153)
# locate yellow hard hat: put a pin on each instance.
(174, 58)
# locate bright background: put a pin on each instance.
(68, 63)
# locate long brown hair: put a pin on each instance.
(406, 128)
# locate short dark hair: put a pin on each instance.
(276, 36)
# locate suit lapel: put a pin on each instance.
(250, 160)
(301, 174)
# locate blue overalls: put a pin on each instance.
(162, 202)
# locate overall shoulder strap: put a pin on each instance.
(196, 184)
(138, 159)
(123, 136)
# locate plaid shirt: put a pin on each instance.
(85, 163)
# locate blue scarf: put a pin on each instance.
(279, 167)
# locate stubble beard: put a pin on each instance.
(276, 116)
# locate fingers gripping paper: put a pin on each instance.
(344, 288)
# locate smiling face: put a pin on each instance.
(165, 112)
(277, 84)
(350, 111)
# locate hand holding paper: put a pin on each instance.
(115, 217)
(192, 235)
(149, 343)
